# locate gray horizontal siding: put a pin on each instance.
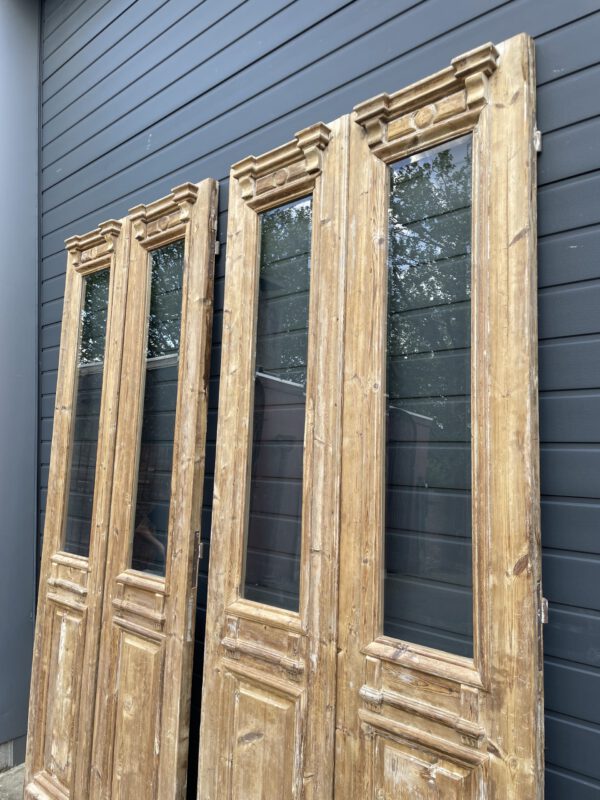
(138, 96)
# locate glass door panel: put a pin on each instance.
(428, 585)
(158, 417)
(88, 391)
(272, 566)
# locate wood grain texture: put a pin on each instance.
(71, 587)
(144, 674)
(101, 624)
(394, 736)
(288, 654)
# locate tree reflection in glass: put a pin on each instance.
(88, 389)
(428, 580)
(272, 559)
(158, 420)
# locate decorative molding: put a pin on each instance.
(95, 249)
(294, 666)
(445, 105)
(164, 220)
(378, 725)
(380, 697)
(237, 646)
(285, 172)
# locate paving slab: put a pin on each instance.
(11, 783)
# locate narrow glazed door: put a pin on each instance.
(268, 707)
(439, 679)
(63, 685)
(144, 674)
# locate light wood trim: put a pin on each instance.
(433, 110)
(294, 666)
(425, 659)
(266, 615)
(285, 173)
(375, 723)
(379, 697)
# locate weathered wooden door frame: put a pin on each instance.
(478, 721)
(71, 586)
(486, 737)
(276, 661)
(143, 691)
(87, 603)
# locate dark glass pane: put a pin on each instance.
(158, 420)
(272, 573)
(428, 581)
(88, 390)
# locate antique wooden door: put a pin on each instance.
(440, 669)
(268, 698)
(144, 675)
(117, 593)
(77, 512)
(408, 606)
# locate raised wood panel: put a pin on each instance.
(400, 771)
(137, 721)
(262, 741)
(64, 692)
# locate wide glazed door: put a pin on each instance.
(268, 707)
(439, 679)
(77, 512)
(144, 675)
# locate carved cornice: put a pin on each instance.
(94, 249)
(164, 219)
(444, 105)
(283, 173)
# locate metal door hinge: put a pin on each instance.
(544, 611)
(537, 140)
(197, 556)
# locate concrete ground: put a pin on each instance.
(11, 783)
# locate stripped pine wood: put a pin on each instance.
(144, 674)
(412, 719)
(268, 699)
(61, 706)
(110, 701)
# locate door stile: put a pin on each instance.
(269, 677)
(410, 717)
(507, 249)
(71, 585)
(143, 696)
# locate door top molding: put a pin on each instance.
(285, 172)
(445, 104)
